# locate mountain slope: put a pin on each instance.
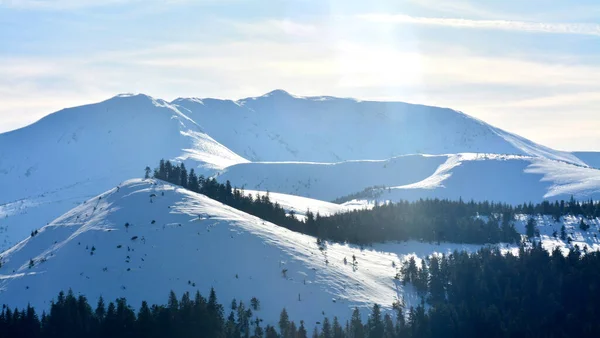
(327, 181)
(591, 158)
(50, 166)
(281, 127)
(504, 178)
(181, 241)
(184, 241)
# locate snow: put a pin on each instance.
(279, 126)
(591, 158)
(504, 178)
(300, 205)
(186, 242)
(238, 254)
(328, 181)
(331, 147)
(73, 154)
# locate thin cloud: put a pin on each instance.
(522, 26)
(60, 5)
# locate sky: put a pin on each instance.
(529, 67)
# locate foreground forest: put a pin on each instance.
(484, 294)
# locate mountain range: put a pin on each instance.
(71, 179)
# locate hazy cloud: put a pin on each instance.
(532, 27)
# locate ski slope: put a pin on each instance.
(505, 178)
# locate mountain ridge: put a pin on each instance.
(52, 165)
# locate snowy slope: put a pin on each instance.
(591, 158)
(279, 126)
(187, 241)
(300, 205)
(504, 178)
(181, 241)
(327, 181)
(70, 155)
(51, 165)
(510, 179)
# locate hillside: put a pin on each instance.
(327, 181)
(510, 179)
(50, 166)
(591, 158)
(146, 237)
(171, 243)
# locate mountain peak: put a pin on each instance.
(136, 98)
(278, 93)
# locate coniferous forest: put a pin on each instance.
(431, 220)
(485, 294)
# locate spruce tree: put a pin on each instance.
(183, 176)
(284, 323)
(583, 226)
(530, 228)
(375, 323)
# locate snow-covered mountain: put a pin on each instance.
(144, 238)
(67, 157)
(505, 178)
(183, 241)
(50, 166)
(279, 126)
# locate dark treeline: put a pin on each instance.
(485, 294)
(428, 220)
(261, 206)
(431, 220)
(370, 193)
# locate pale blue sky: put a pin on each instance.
(531, 67)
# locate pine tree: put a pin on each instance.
(258, 331)
(326, 329)
(356, 326)
(215, 311)
(284, 322)
(583, 226)
(388, 326)
(168, 172)
(375, 323)
(147, 173)
(530, 228)
(338, 331)
(563, 233)
(193, 184)
(422, 282)
(144, 323)
(436, 282)
(183, 176)
(270, 332)
(162, 171)
(302, 330)
(255, 303)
